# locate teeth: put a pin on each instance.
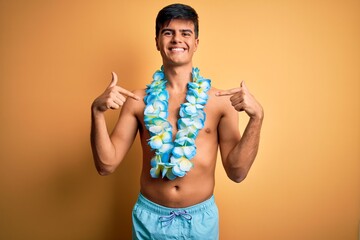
(177, 49)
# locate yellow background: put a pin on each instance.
(301, 59)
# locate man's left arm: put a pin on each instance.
(238, 153)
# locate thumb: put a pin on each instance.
(114, 79)
(242, 84)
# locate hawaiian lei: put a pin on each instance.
(172, 159)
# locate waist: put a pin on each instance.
(180, 193)
(163, 210)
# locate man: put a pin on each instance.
(182, 121)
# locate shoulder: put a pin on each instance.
(133, 105)
(139, 92)
(220, 101)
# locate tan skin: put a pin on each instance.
(177, 44)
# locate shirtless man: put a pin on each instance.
(177, 179)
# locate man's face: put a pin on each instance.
(176, 42)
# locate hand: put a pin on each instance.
(243, 100)
(113, 97)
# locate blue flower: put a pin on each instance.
(158, 75)
(155, 167)
(188, 151)
(157, 141)
(182, 165)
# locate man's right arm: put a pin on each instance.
(108, 151)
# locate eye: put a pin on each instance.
(167, 33)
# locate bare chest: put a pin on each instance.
(212, 112)
(174, 104)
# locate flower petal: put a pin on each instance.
(155, 129)
(166, 136)
(170, 175)
(177, 171)
(185, 165)
(158, 75)
(178, 152)
(189, 151)
(155, 142)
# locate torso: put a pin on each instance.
(198, 184)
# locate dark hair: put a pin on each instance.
(177, 11)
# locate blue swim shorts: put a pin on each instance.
(152, 221)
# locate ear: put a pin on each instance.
(196, 44)
(157, 44)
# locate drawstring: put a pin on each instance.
(173, 214)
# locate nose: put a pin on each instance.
(176, 38)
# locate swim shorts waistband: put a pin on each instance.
(162, 210)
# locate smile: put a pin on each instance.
(177, 49)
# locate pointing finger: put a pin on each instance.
(228, 92)
(129, 94)
(114, 80)
(136, 97)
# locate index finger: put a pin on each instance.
(228, 92)
(129, 94)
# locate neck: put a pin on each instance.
(178, 76)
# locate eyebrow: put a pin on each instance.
(172, 30)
